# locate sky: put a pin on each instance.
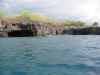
(85, 10)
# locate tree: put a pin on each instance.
(51, 20)
(67, 23)
(2, 15)
(25, 18)
(95, 24)
(75, 23)
(25, 15)
(78, 23)
(14, 17)
(38, 17)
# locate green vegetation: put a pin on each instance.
(68, 23)
(74, 23)
(95, 24)
(2, 15)
(28, 17)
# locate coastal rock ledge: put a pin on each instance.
(17, 29)
(82, 30)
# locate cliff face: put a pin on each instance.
(3, 34)
(32, 29)
(42, 29)
(82, 31)
(47, 29)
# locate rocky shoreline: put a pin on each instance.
(90, 30)
(14, 29)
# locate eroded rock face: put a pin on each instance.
(33, 29)
(43, 29)
(20, 33)
(3, 34)
(82, 31)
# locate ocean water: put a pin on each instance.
(50, 55)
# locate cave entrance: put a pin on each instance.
(21, 33)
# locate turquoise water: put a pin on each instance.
(51, 55)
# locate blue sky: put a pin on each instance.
(85, 10)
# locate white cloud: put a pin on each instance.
(76, 9)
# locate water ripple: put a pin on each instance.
(56, 55)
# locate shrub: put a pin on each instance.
(75, 23)
(95, 24)
(2, 15)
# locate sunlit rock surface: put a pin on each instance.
(36, 28)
